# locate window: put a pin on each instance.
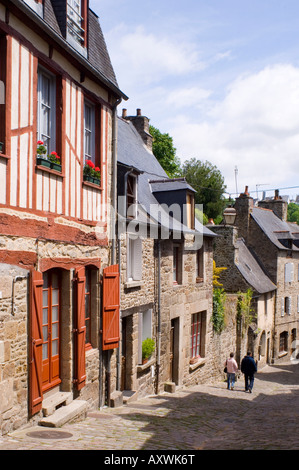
(134, 259)
(177, 264)
(283, 342)
(76, 22)
(89, 131)
(197, 335)
(145, 330)
(2, 91)
(131, 196)
(46, 96)
(287, 305)
(88, 306)
(200, 265)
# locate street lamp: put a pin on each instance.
(229, 216)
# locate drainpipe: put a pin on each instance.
(113, 225)
(159, 318)
(114, 178)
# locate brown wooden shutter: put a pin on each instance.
(36, 342)
(111, 307)
(80, 329)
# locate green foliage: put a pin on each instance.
(208, 181)
(293, 212)
(244, 310)
(218, 316)
(148, 347)
(165, 152)
(201, 216)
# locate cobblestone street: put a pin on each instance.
(203, 417)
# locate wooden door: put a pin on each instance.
(51, 329)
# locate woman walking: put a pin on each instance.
(231, 368)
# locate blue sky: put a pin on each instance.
(220, 76)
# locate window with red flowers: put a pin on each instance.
(92, 157)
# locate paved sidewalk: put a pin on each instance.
(208, 417)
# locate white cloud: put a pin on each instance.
(141, 56)
(255, 127)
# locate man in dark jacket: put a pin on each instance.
(248, 367)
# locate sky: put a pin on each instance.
(221, 77)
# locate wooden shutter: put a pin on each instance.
(36, 342)
(111, 307)
(80, 329)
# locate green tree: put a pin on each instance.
(293, 212)
(208, 183)
(165, 152)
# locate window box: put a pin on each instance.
(56, 166)
(91, 179)
(43, 162)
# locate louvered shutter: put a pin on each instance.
(110, 307)
(288, 305)
(36, 342)
(80, 329)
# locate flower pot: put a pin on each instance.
(91, 179)
(145, 360)
(56, 166)
(43, 162)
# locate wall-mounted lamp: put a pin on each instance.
(229, 216)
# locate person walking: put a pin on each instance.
(248, 368)
(231, 368)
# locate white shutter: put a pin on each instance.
(289, 305)
(289, 272)
(137, 260)
(282, 306)
(297, 303)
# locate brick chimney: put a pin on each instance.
(277, 205)
(243, 206)
(141, 124)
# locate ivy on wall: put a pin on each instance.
(245, 313)
(218, 317)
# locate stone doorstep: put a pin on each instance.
(129, 396)
(53, 401)
(65, 414)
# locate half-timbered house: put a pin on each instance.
(58, 99)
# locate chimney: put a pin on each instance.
(141, 124)
(244, 207)
(277, 205)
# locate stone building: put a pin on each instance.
(243, 273)
(166, 280)
(274, 243)
(60, 100)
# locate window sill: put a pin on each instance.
(49, 170)
(143, 367)
(201, 361)
(282, 354)
(199, 280)
(7, 157)
(132, 284)
(92, 185)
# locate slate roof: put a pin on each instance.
(277, 230)
(54, 24)
(251, 270)
(132, 152)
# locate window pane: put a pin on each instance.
(45, 333)
(45, 316)
(45, 351)
(54, 347)
(55, 296)
(55, 313)
(55, 330)
(45, 298)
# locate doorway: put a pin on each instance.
(51, 329)
(174, 351)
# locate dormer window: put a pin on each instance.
(76, 22)
(131, 196)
